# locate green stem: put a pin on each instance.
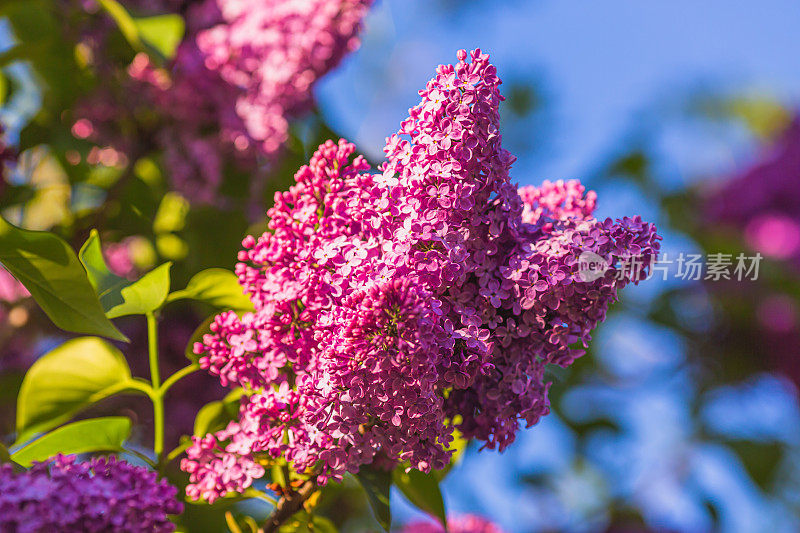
(177, 376)
(140, 455)
(177, 451)
(158, 396)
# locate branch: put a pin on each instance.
(287, 506)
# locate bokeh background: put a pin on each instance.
(684, 415)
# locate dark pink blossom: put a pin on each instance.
(383, 313)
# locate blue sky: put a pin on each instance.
(599, 63)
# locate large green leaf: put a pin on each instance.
(377, 484)
(217, 287)
(422, 490)
(94, 435)
(67, 379)
(144, 295)
(50, 270)
(120, 296)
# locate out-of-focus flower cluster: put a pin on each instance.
(764, 201)
(243, 70)
(392, 307)
(104, 494)
(11, 290)
(455, 524)
(762, 204)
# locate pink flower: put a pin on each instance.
(442, 285)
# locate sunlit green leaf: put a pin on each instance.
(102, 279)
(124, 21)
(143, 295)
(422, 490)
(52, 273)
(120, 296)
(377, 484)
(217, 287)
(163, 32)
(171, 213)
(67, 379)
(159, 36)
(94, 435)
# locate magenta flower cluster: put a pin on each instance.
(467, 523)
(244, 69)
(394, 306)
(104, 494)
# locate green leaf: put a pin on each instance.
(124, 21)
(94, 435)
(102, 279)
(159, 36)
(143, 295)
(302, 522)
(162, 32)
(376, 484)
(217, 287)
(215, 415)
(171, 213)
(51, 272)
(5, 457)
(120, 296)
(422, 490)
(197, 336)
(3, 88)
(211, 418)
(67, 379)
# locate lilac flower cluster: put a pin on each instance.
(244, 69)
(394, 306)
(455, 524)
(104, 494)
(273, 52)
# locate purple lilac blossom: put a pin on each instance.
(104, 494)
(244, 69)
(391, 304)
